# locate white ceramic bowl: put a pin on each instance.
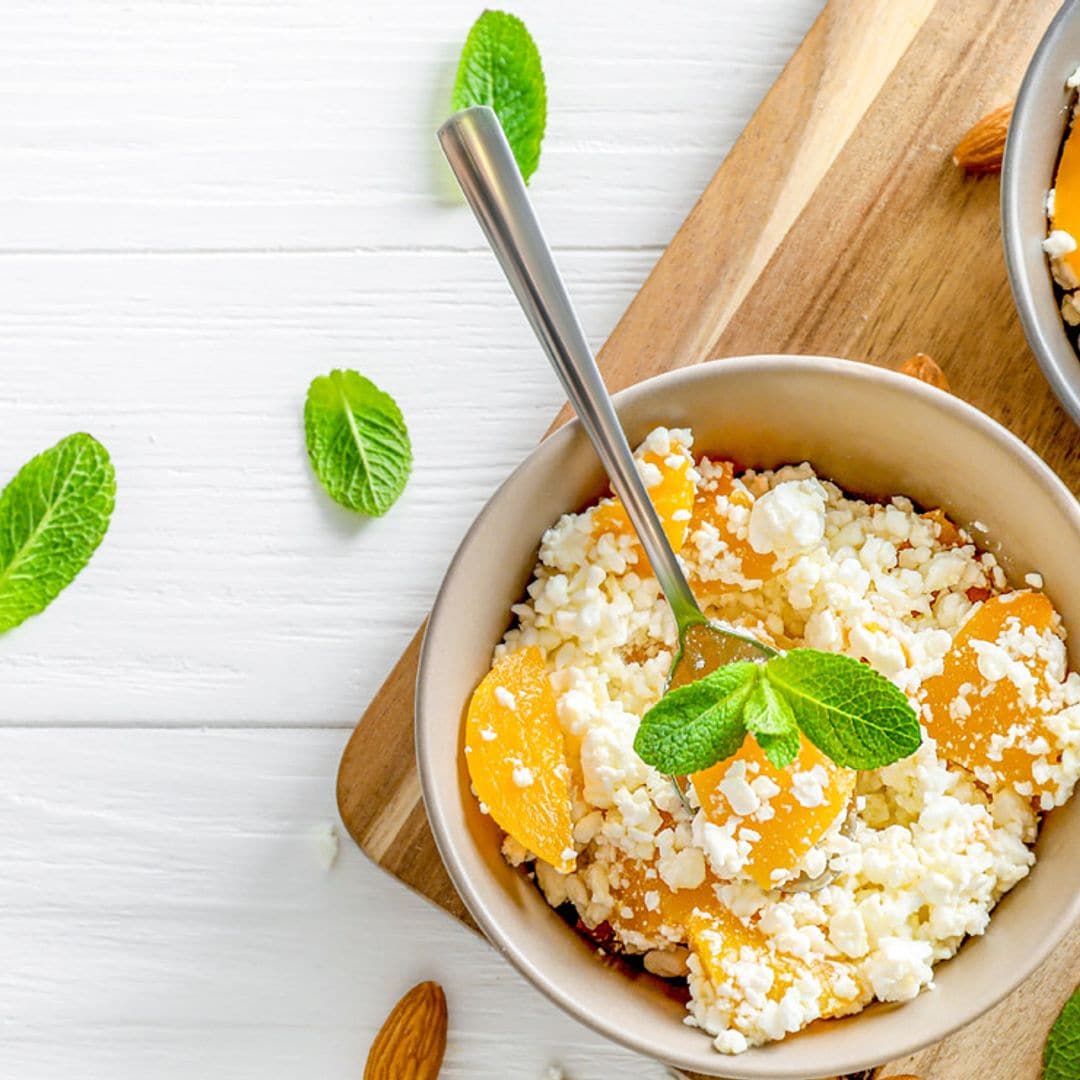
(872, 431)
(1036, 132)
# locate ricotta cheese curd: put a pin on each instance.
(919, 852)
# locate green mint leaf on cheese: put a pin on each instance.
(53, 515)
(781, 749)
(692, 727)
(357, 441)
(845, 708)
(500, 67)
(768, 717)
(1061, 1058)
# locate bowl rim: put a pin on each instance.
(1030, 99)
(447, 843)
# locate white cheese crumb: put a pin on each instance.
(650, 473)
(900, 968)
(740, 795)
(809, 786)
(522, 776)
(1034, 580)
(1058, 244)
(505, 698)
(488, 734)
(325, 842)
(730, 1042)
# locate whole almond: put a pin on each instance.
(412, 1041)
(922, 367)
(981, 149)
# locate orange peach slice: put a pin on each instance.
(643, 904)
(948, 533)
(793, 817)
(516, 757)
(672, 496)
(1066, 214)
(967, 709)
(751, 564)
(722, 942)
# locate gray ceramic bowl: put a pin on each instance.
(872, 431)
(1031, 152)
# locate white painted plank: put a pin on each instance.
(230, 589)
(163, 913)
(294, 124)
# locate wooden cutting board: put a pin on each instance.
(837, 225)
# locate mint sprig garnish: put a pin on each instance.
(500, 67)
(1061, 1058)
(53, 515)
(357, 441)
(850, 712)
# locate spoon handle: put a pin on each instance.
(484, 165)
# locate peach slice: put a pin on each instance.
(751, 565)
(1066, 214)
(948, 533)
(516, 757)
(673, 497)
(785, 828)
(643, 904)
(723, 942)
(967, 709)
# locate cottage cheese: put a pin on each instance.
(928, 848)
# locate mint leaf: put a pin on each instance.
(845, 708)
(357, 441)
(767, 711)
(53, 515)
(768, 717)
(693, 727)
(781, 749)
(1061, 1058)
(500, 67)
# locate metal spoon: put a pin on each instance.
(484, 165)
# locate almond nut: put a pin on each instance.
(981, 149)
(412, 1041)
(922, 367)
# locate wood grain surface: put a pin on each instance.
(837, 225)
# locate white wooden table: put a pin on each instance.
(202, 206)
